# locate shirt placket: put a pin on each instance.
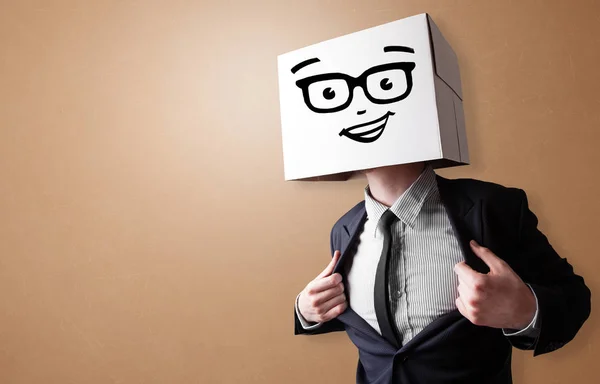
(403, 278)
(397, 282)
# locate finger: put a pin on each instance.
(329, 269)
(335, 301)
(467, 275)
(488, 257)
(469, 297)
(324, 283)
(461, 307)
(335, 311)
(328, 294)
(464, 293)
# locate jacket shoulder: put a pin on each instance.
(349, 216)
(482, 190)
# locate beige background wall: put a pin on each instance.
(146, 232)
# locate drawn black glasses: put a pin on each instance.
(333, 92)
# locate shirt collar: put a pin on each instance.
(409, 204)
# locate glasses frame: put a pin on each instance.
(353, 82)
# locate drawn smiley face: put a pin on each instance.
(383, 84)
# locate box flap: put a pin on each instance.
(461, 130)
(446, 111)
(445, 60)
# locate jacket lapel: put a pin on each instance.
(437, 327)
(351, 231)
(466, 218)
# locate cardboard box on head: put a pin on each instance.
(383, 96)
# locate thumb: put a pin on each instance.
(329, 269)
(487, 256)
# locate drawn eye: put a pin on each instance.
(388, 84)
(328, 94)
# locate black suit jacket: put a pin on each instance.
(452, 349)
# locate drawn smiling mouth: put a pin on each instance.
(367, 132)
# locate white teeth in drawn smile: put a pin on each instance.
(367, 132)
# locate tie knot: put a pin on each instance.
(388, 218)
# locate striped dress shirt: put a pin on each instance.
(424, 250)
(422, 282)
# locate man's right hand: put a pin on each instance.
(323, 298)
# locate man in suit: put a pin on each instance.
(434, 280)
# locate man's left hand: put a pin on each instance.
(498, 299)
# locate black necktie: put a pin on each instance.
(382, 302)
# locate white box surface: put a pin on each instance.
(386, 95)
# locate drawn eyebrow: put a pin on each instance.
(303, 64)
(398, 48)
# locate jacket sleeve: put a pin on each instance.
(333, 325)
(563, 298)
